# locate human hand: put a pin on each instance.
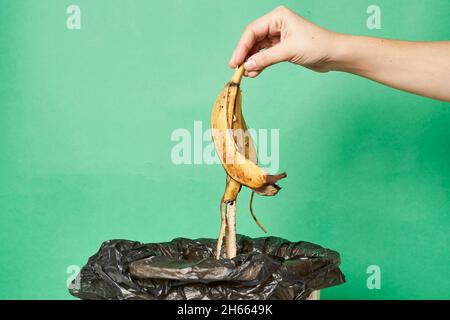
(422, 68)
(285, 36)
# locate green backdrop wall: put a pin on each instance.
(86, 118)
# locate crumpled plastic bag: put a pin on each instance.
(264, 268)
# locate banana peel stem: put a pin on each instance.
(238, 74)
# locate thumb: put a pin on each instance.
(266, 58)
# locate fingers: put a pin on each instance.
(262, 59)
(252, 74)
(256, 31)
(263, 44)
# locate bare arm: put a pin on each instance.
(422, 68)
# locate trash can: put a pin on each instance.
(184, 269)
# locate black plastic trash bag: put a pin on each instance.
(264, 268)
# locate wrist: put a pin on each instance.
(343, 52)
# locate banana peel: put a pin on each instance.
(237, 153)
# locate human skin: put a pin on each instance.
(421, 68)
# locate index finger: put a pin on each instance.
(254, 32)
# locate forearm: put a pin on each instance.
(419, 67)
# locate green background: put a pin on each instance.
(86, 118)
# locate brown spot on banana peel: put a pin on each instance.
(232, 93)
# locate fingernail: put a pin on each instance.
(250, 65)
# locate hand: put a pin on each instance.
(285, 36)
(418, 67)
